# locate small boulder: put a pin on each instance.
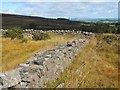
(60, 85)
(10, 78)
(69, 44)
(23, 65)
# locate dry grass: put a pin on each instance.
(95, 67)
(14, 52)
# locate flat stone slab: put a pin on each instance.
(10, 78)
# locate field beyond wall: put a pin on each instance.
(14, 52)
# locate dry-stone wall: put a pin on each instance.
(43, 67)
(62, 32)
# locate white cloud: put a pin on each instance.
(79, 10)
(109, 11)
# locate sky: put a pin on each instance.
(62, 9)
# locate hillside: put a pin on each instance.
(11, 20)
(40, 23)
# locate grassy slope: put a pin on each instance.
(14, 52)
(95, 67)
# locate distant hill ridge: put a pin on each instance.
(11, 20)
(41, 23)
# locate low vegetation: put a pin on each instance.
(96, 66)
(18, 51)
(24, 40)
(40, 36)
(15, 32)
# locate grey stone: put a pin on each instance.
(60, 85)
(10, 78)
(27, 78)
(69, 44)
(31, 60)
(48, 56)
(39, 61)
(23, 65)
(1, 81)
